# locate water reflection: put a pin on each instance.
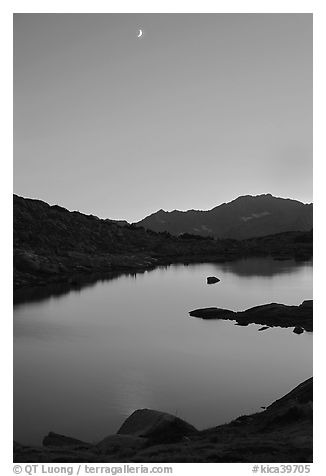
(267, 267)
(85, 358)
(75, 284)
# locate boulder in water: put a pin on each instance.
(212, 280)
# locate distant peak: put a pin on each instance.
(262, 196)
(254, 196)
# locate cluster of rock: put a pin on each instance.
(270, 315)
(142, 429)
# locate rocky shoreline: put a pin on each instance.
(280, 433)
(270, 315)
(31, 269)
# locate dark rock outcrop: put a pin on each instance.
(268, 314)
(54, 439)
(298, 330)
(295, 406)
(213, 313)
(115, 443)
(157, 426)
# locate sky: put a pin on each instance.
(201, 109)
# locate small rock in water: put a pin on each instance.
(212, 280)
(298, 330)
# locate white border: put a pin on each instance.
(167, 6)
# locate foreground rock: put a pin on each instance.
(280, 433)
(268, 315)
(156, 426)
(291, 407)
(121, 443)
(54, 439)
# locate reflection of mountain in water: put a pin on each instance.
(41, 293)
(266, 267)
(44, 330)
(250, 267)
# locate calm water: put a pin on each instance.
(85, 360)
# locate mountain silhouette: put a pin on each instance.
(52, 244)
(245, 217)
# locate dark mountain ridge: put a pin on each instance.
(245, 217)
(52, 244)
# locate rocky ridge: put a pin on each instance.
(245, 217)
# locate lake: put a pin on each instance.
(86, 359)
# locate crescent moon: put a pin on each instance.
(140, 33)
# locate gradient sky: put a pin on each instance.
(199, 110)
